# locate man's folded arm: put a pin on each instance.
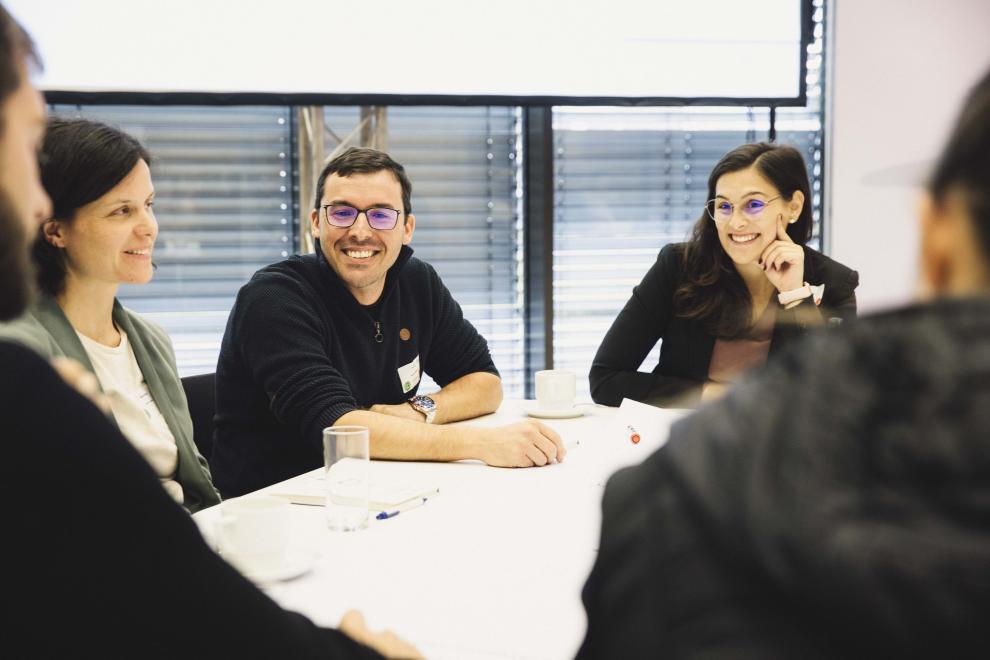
(396, 438)
(470, 396)
(459, 361)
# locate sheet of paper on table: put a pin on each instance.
(310, 488)
(651, 423)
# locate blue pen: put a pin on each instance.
(385, 515)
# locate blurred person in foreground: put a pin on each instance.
(135, 579)
(837, 502)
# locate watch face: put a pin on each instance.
(424, 403)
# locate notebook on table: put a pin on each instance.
(311, 489)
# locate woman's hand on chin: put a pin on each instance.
(783, 261)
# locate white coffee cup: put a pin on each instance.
(253, 532)
(555, 389)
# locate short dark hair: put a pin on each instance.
(964, 164)
(359, 160)
(83, 160)
(16, 47)
(713, 291)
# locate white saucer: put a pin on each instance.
(296, 563)
(532, 408)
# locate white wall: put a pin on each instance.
(899, 72)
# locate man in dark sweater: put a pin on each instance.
(99, 560)
(837, 503)
(342, 336)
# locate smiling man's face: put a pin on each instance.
(359, 254)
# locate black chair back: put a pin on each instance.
(202, 396)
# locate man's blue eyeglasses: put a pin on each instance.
(381, 218)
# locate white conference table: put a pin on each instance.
(492, 567)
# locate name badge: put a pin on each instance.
(409, 375)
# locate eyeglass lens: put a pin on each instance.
(378, 218)
(721, 210)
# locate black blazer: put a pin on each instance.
(687, 345)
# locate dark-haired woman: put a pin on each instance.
(736, 292)
(101, 235)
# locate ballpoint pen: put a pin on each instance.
(385, 515)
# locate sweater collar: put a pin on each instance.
(391, 276)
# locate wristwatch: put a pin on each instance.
(425, 405)
(787, 297)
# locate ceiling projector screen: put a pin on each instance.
(519, 51)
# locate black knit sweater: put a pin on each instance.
(299, 351)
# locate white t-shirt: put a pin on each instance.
(135, 410)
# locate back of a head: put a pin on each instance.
(964, 165)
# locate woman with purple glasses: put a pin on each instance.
(736, 292)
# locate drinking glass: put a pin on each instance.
(347, 466)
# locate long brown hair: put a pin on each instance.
(712, 290)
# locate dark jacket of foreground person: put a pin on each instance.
(101, 562)
(836, 504)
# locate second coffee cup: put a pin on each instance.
(555, 389)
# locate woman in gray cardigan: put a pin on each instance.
(101, 235)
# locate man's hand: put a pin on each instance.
(525, 444)
(387, 643)
(78, 378)
(401, 410)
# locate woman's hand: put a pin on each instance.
(783, 261)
